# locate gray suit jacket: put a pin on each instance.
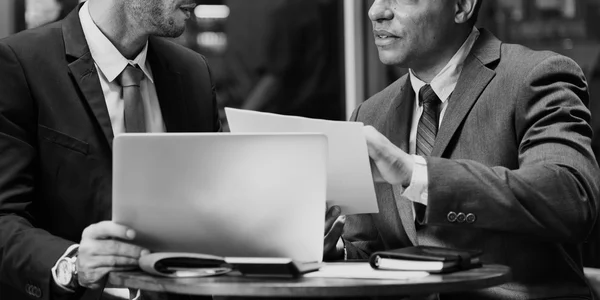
(513, 150)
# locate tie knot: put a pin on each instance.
(428, 96)
(131, 76)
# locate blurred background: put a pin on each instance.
(316, 58)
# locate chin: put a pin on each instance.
(391, 58)
(178, 31)
(171, 30)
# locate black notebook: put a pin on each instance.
(200, 265)
(426, 258)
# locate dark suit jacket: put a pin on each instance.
(55, 142)
(514, 150)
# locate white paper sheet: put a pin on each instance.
(349, 180)
(362, 271)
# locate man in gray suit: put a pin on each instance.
(483, 145)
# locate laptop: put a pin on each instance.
(224, 194)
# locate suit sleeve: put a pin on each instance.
(361, 237)
(553, 195)
(27, 253)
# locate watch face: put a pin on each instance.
(64, 273)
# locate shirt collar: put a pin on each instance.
(106, 56)
(445, 81)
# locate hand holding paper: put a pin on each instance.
(392, 165)
(349, 181)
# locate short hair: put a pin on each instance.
(473, 19)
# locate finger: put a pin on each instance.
(126, 268)
(337, 228)
(375, 142)
(113, 247)
(92, 264)
(332, 214)
(335, 233)
(369, 131)
(376, 173)
(92, 279)
(379, 146)
(373, 136)
(108, 229)
(107, 261)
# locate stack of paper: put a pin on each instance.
(361, 271)
(349, 179)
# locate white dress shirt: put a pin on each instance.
(443, 85)
(110, 63)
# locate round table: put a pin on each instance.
(484, 277)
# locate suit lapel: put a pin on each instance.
(84, 73)
(473, 80)
(169, 89)
(397, 129)
(399, 117)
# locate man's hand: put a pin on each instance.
(391, 164)
(334, 225)
(103, 249)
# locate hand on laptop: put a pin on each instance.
(103, 249)
(334, 225)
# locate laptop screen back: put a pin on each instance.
(235, 195)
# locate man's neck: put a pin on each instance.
(112, 20)
(427, 69)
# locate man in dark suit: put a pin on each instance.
(65, 91)
(483, 145)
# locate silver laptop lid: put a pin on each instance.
(235, 195)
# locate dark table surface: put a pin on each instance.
(486, 276)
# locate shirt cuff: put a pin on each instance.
(341, 244)
(135, 294)
(69, 253)
(123, 293)
(419, 183)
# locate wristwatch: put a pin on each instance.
(65, 272)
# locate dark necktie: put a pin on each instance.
(426, 133)
(134, 115)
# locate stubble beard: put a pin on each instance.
(154, 17)
(165, 27)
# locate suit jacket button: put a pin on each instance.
(35, 291)
(471, 218)
(451, 217)
(460, 218)
(38, 292)
(29, 289)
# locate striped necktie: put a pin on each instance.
(426, 133)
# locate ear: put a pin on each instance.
(464, 10)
